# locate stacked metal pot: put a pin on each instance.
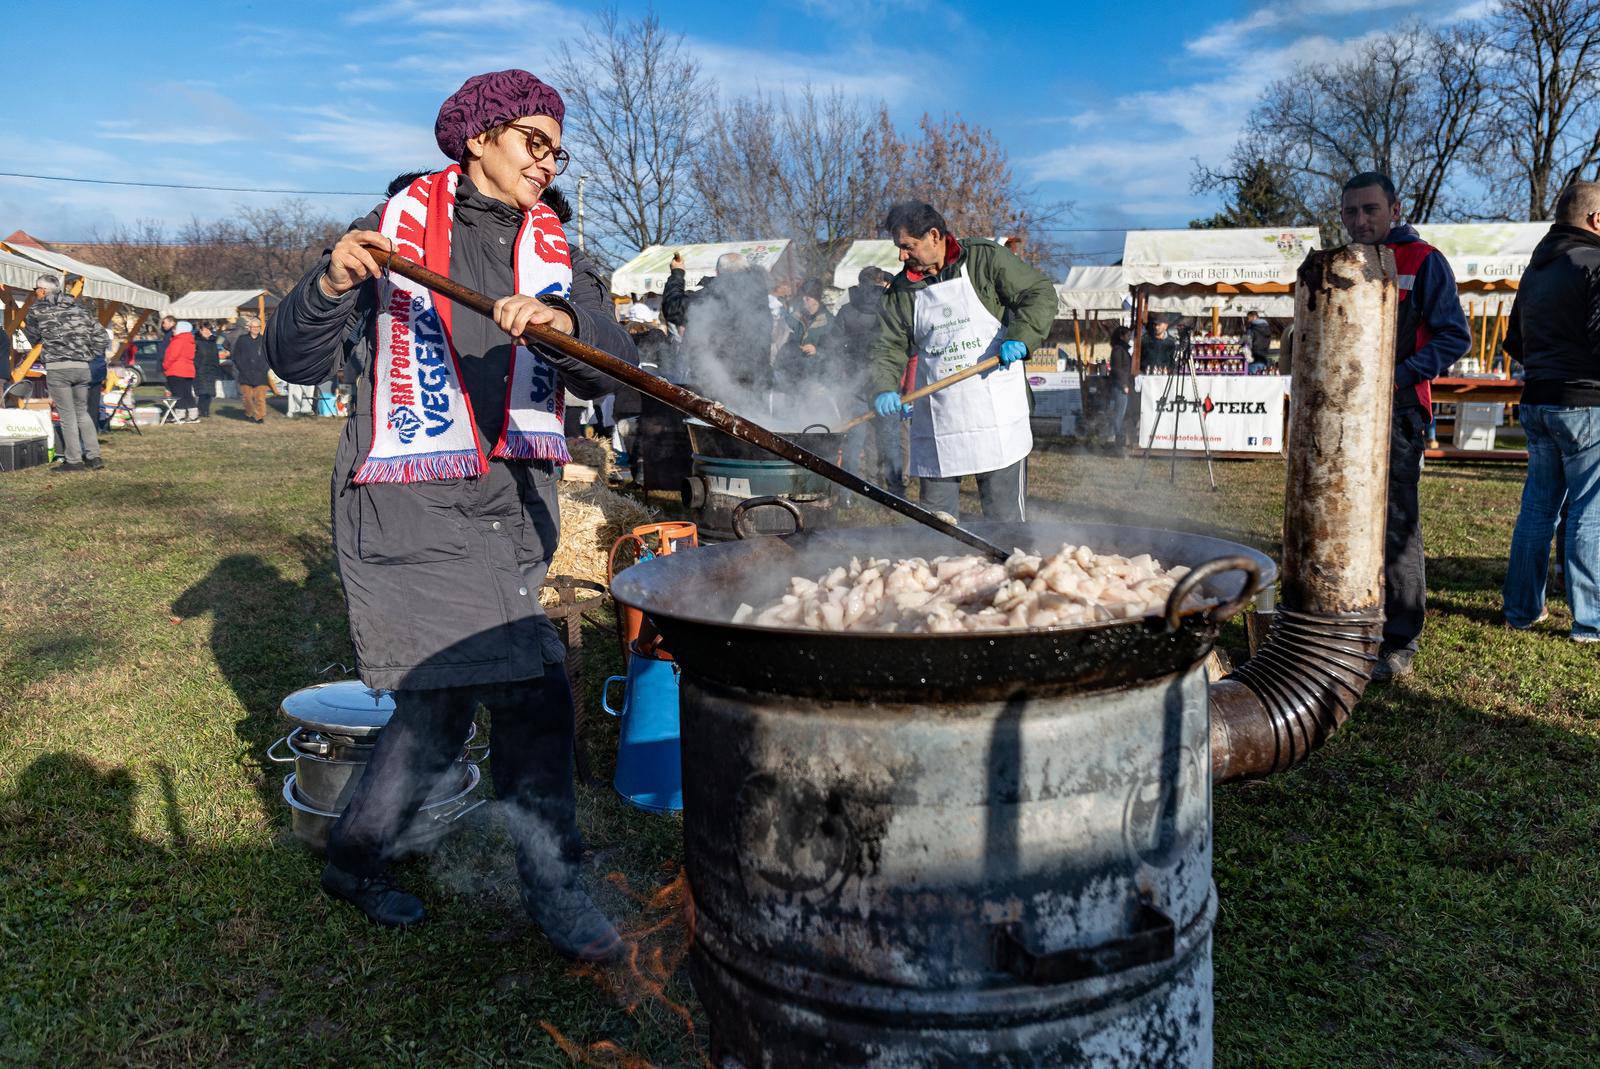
(337, 725)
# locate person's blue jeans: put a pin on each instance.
(1116, 414)
(1563, 468)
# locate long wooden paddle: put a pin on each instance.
(686, 401)
(931, 388)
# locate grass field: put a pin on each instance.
(1424, 892)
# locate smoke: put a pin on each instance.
(736, 349)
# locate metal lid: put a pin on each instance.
(348, 707)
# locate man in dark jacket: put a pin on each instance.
(71, 338)
(1158, 353)
(729, 332)
(1555, 335)
(249, 356)
(1431, 334)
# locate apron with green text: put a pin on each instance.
(974, 426)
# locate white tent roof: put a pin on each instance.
(1092, 289)
(1207, 257)
(1271, 305)
(18, 272)
(215, 304)
(866, 253)
(647, 272)
(98, 282)
(1485, 252)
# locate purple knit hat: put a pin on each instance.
(484, 101)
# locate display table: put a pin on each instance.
(1243, 413)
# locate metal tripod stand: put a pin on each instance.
(1165, 408)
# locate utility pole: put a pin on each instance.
(582, 178)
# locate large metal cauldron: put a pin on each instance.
(726, 471)
(969, 850)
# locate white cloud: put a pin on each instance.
(1291, 16)
(183, 135)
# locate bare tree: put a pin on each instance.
(259, 248)
(814, 168)
(1411, 104)
(636, 103)
(1549, 124)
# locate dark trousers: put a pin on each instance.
(530, 763)
(1405, 599)
(182, 390)
(204, 401)
(1003, 493)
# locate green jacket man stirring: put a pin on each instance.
(953, 305)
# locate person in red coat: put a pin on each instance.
(177, 364)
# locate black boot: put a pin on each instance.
(381, 901)
(572, 922)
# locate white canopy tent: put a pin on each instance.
(17, 272)
(879, 252)
(218, 304)
(1193, 272)
(1092, 290)
(99, 283)
(1209, 258)
(647, 272)
(1488, 259)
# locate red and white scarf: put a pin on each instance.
(422, 425)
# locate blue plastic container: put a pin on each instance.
(649, 763)
(326, 406)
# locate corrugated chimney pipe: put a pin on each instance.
(1280, 705)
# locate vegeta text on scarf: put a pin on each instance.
(422, 425)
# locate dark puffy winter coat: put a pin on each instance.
(249, 356)
(1555, 323)
(207, 365)
(442, 578)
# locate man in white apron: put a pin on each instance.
(955, 304)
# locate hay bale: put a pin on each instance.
(592, 518)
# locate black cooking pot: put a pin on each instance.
(707, 441)
(692, 597)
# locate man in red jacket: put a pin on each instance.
(1431, 335)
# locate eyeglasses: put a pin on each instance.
(539, 147)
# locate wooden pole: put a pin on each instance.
(1139, 310)
(932, 388)
(688, 402)
(1216, 320)
(261, 309)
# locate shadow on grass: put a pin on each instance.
(121, 946)
(267, 635)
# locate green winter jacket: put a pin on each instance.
(1014, 291)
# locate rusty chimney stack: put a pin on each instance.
(1300, 687)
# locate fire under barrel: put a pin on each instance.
(993, 849)
(977, 849)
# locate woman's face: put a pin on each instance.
(810, 304)
(506, 170)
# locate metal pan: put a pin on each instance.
(691, 597)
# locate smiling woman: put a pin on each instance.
(444, 505)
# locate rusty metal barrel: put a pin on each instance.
(974, 850)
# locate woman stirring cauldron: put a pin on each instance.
(444, 492)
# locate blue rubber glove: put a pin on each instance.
(1011, 352)
(888, 403)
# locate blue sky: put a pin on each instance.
(1103, 105)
